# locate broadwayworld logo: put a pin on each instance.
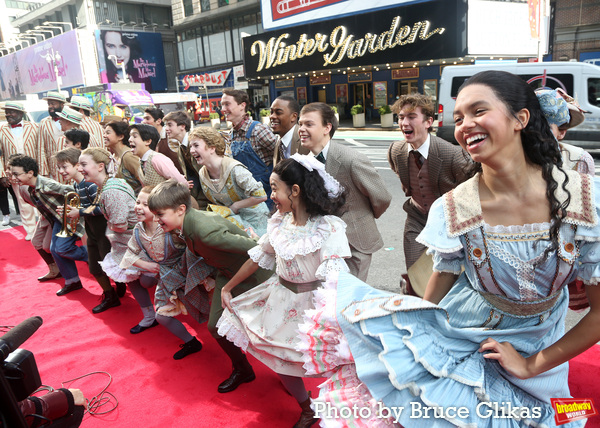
(572, 409)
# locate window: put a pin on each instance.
(204, 5)
(222, 3)
(188, 8)
(594, 92)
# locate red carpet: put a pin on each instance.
(152, 389)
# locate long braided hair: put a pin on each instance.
(538, 142)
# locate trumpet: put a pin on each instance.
(71, 199)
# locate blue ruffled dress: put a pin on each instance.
(411, 354)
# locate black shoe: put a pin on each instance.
(68, 288)
(188, 348)
(121, 288)
(109, 300)
(236, 379)
(138, 328)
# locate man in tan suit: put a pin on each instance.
(284, 123)
(83, 105)
(20, 137)
(427, 166)
(50, 131)
(366, 195)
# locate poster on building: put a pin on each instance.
(32, 70)
(434, 29)
(128, 56)
(286, 13)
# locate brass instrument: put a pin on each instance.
(71, 199)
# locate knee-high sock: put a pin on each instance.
(295, 386)
(174, 326)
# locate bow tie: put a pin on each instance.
(56, 118)
(18, 125)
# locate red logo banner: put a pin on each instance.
(572, 409)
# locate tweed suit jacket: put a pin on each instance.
(366, 196)
(31, 146)
(295, 147)
(446, 163)
(95, 130)
(222, 244)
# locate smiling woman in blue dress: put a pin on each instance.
(490, 340)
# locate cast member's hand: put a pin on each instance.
(5, 182)
(226, 299)
(78, 397)
(508, 357)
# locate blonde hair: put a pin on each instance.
(98, 155)
(211, 137)
(169, 194)
(147, 189)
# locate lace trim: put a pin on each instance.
(595, 281)
(264, 260)
(226, 329)
(525, 270)
(432, 248)
(290, 241)
(513, 229)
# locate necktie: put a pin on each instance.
(418, 157)
(321, 158)
(18, 125)
(281, 151)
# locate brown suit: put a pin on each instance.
(163, 147)
(295, 147)
(447, 166)
(366, 199)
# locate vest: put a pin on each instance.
(420, 190)
(151, 176)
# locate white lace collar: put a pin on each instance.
(289, 240)
(462, 207)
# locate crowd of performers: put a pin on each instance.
(267, 233)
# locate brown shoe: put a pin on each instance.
(307, 417)
(53, 273)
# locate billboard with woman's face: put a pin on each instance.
(128, 56)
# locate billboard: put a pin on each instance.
(286, 13)
(139, 54)
(435, 29)
(503, 28)
(31, 70)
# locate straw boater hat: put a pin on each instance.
(575, 111)
(78, 101)
(53, 95)
(13, 105)
(71, 115)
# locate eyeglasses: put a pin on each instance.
(16, 174)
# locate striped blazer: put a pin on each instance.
(31, 145)
(95, 130)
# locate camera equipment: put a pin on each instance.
(20, 368)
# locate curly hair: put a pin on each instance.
(210, 136)
(312, 188)
(537, 139)
(414, 101)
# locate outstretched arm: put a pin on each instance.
(574, 342)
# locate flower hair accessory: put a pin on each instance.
(333, 187)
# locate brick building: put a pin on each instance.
(576, 30)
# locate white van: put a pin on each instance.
(580, 80)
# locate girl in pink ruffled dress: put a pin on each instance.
(305, 243)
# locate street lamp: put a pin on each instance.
(53, 57)
(121, 64)
(60, 23)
